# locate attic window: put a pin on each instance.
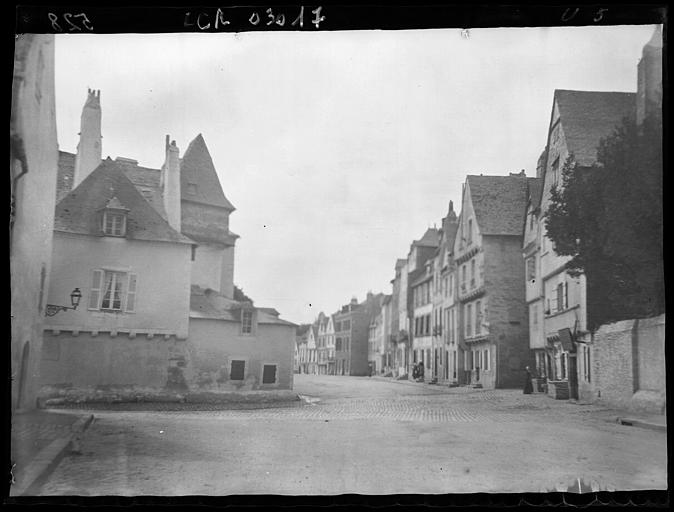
(192, 188)
(114, 223)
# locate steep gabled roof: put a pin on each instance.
(535, 191)
(451, 228)
(499, 203)
(196, 168)
(78, 211)
(588, 116)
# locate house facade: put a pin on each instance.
(399, 328)
(569, 357)
(119, 230)
(422, 315)
(491, 292)
(326, 344)
(352, 328)
(565, 297)
(375, 342)
(444, 314)
(33, 165)
(418, 269)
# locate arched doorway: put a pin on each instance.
(23, 370)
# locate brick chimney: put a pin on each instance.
(89, 147)
(170, 184)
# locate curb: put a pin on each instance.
(46, 460)
(630, 422)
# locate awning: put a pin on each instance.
(566, 338)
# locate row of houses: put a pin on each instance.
(337, 344)
(123, 275)
(485, 296)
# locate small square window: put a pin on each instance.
(192, 188)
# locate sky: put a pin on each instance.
(338, 149)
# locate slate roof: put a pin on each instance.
(431, 238)
(303, 329)
(400, 262)
(499, 203)
(196, 167)
(421, 279)
(64, 175)
(208, 304)
(78, 212)
(588, 116)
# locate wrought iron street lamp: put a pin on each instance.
(75, 297)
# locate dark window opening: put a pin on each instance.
(269, 374)
(237, 370)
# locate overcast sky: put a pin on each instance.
(337, 148)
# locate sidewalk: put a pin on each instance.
(39, 440)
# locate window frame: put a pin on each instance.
(245, 368)
(128, 293)
(276, 374)
(242, 323)
(113, 214)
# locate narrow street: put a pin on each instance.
(366, 436)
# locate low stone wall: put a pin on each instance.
(628, 365)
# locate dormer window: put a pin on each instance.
(113, 218)
(114, 224)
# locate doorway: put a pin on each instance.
(23, 370)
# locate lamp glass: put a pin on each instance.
(75, 297)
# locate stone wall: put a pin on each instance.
(214, 343)
(33, 160)
(508, 312)
(103, 360)
(628, 365)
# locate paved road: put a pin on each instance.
(365, 436)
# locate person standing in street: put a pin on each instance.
(528, 387)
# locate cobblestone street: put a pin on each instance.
(369, 436)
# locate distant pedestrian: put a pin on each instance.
(528, 387)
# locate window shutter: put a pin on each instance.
(95, 291)
(131, 293)
(566, 295)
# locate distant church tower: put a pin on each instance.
(649, 72)
(89, 148)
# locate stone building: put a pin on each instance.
(325, 344)
(579, 120)
(119, 230)
(444, 310)
(352, 326)
(422, 314)
(33, 163)
(491, 292)
(418, 267)
(611, 365)
(375, 342)
(305, 349)
(399, 328)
